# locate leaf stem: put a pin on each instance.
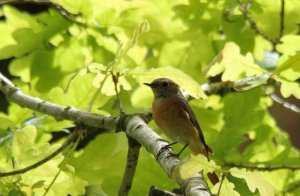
(281, 27)
(221, 183)
(79, 133)
(115, 78)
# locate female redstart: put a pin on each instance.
(175, 117)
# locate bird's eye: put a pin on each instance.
(165, 84)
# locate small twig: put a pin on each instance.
(132, 160)
(259, 168)
(91, 103)
(281, 27)
(115, 78)
(221, 182)
(70, 80)
(244, 7)
(63, 164)
(52, 155)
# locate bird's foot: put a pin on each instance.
(165, 148)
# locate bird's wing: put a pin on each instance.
(187, 108)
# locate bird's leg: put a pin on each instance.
(184, 147)
(164, 148)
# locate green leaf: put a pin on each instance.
(38, 184)
(79, 94)
(194, 164)
(5, 122)
(291, 62)
(290, 69)
(290, 88)
(288, 72)
(29, 32)
(23, 140)
(254, 181)
(184, 81)
(289, 44)
(142, 97)
(227, 188)
(26, 152)
(239, 108)
(234, 65)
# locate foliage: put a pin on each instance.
(70, 59)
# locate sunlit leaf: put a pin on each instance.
(254, 181)
(227, 188)
(183, 80)
(290, 88)
(233, 65)
(195, 164)
(290, 69)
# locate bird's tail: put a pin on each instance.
(205, 150)
(199, 148)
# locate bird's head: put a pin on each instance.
(164, 87)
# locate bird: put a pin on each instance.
(173, 114)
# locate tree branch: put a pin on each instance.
(59, 112)
(284, 103)
(132, 160)
(138, 129)
(260, 168)
(134, 125)
(243, 84)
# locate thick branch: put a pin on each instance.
(138, 129)
(15, 95)
(154, 191)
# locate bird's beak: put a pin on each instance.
(148, 84)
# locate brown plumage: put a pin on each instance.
(175, 117)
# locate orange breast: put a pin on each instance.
(173, 120)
